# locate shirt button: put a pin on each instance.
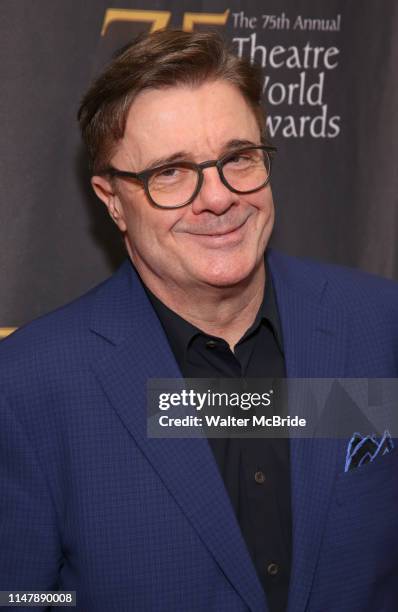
(210, 344)
(259, 477)
(272, 569)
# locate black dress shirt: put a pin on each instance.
(255, 471)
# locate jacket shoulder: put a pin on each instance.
(60, 339)
(343, 287)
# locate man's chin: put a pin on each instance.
(223, 277)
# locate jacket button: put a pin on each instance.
(272, 569)
(259, 477)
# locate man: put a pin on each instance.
(176, 138)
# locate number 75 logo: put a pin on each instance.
(160, 19)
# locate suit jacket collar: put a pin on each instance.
(137, 349)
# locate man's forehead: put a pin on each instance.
(189, 121)
(186, 155)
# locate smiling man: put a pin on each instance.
(204, 255)
(177, 143)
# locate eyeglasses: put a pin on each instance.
(174, 185)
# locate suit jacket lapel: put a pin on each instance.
(315, 347)
(137, 349)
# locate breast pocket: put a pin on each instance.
(359, 553)
(364, 509)
(377, 479)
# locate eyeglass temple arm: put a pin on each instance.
(113, 172)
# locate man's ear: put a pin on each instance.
(105, 191)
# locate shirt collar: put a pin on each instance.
(180, 332)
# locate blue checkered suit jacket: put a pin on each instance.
(89, 503)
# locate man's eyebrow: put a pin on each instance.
(233, 144)
(237, 143)
(168, 159)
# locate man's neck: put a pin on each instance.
(225, 312)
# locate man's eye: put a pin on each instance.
(235, 159)
(168, 172)
(171, 177)
(239, 159)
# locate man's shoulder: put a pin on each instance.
(63, 336)
(341, 286)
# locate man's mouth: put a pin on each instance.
(219, 231)
(221, 237)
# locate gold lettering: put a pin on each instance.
(6, 331)
(190, 19)
(159, 19)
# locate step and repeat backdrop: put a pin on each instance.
(331, 92)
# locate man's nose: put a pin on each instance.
(214, 196)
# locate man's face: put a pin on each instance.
(219, 239)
